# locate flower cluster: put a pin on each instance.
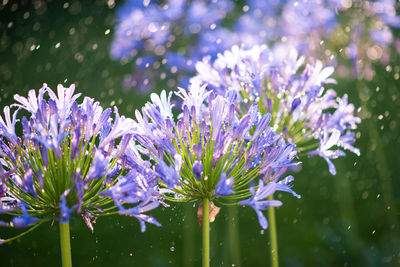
(211, 151)
(155, 34)
(359, 30)
(66, 159)
(299, 23)
(166, 39)
(292, 91)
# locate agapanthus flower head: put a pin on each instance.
(155, 34)
(211, 151)
(165, 39)
(292, 90)
(65, 160)
(360, 30)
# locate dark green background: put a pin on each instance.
(350, 219)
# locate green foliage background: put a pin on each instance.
(351, 219)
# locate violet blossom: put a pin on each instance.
(66, 160)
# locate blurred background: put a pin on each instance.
(351, 219)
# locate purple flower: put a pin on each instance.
(64, 99)
(65, 212)
(224, 186)
(33, 102)
(168, 174)
(259, 203)
(99, 167)
(147, 34)
(120, 127)
(214, 150)
(286, 185)
(293, 90)
(327, 141)
(68, 156)
(24, 220)
(198, 169)
(7, 127)
(89, 219)
(143, 218)
(94, 117)
(144, 34)
(139, 187)
(382, 37)
(3, 190)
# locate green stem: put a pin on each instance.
(206, 232)
(65, 245)
(20, 235)
(273, 235)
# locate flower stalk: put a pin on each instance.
(273, 235)
(65, 245)
(206, 232)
